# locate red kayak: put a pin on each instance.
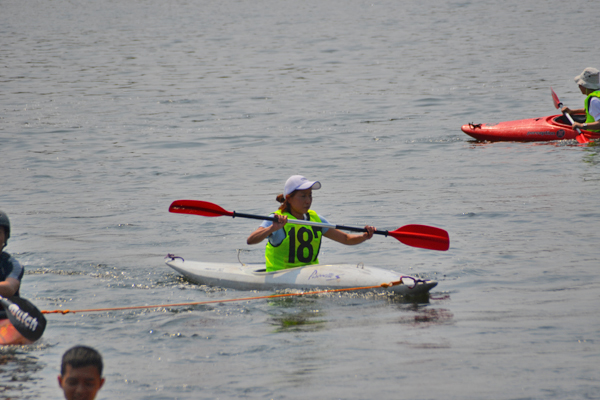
(10, 335)
(20, 321)
(554, 127)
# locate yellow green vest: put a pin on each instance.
(588, 118)
(300, 247)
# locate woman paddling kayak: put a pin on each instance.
(589, 85)
(292, 245)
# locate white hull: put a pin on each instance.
(331, 276)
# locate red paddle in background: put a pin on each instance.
(558, 104)
(423, 236)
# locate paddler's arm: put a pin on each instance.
(261, 233)
(592, 125)
(577, 125)
(347, 238)
(9, 287)
(569, 111)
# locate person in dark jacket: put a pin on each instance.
(11, 272)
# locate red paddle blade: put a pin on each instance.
(557, 102)
(197, 207)
(423, 236)
(582, 139)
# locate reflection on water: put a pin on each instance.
(311, 313)
(298, 322)
(296, 314)
(592, 154)
(474, 143)
(426, 317)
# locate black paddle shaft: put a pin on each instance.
(341, 227)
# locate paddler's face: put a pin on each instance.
(583, 90)
(300, 202)
(80, 383)
(2, 238)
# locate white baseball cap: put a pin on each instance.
(298, 182)
(589, 78)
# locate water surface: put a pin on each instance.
(112, 110)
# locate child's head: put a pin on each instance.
(81, 373)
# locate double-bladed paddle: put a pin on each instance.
(558, 104)
(423, 236)
(24, 316)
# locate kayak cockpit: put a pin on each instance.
(561, 119)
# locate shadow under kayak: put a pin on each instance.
(330, 276)
(554, 127)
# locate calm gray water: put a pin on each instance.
(110, 110)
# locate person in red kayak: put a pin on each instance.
(292, 245)
(11, 272)
(589, 84)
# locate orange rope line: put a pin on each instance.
(273, 296)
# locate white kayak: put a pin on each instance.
(330, 276)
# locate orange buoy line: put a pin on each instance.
(273, 296)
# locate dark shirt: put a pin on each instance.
(9, 268)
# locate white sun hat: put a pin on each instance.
(589, 78)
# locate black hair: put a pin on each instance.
(285, 204)
(81, 356)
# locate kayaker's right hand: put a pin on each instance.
(566, 110)
(261, 233)
(281, 221)
(369, 233)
